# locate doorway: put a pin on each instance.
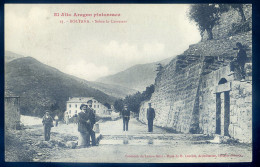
(222, 109)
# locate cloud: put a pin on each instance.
(133, 52)
(163, 31)
(88, 71)
(153, 49)
(124, 50)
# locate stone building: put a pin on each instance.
(12, 111)
(197, 93)
(73, 106)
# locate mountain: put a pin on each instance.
(112, 90)
(42, 87)
(137, 77)
(9, 56)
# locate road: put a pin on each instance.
(138, 145)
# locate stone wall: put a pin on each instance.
(12, 112)
(187, 98)
(174, 96)
(221, 47)
(241, 112)
(228, 23)
(207, 101)
(240, 126)
(196, 93)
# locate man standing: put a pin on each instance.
(66, 118)
(150, 117)
(240, 60)
(84, 126)
(56, 118)
(47, 122)
(92, 121)
(126, 117)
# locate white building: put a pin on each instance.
(73, 106)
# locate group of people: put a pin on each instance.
(150, 115)
(86, 120)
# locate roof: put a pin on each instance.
(79, 99)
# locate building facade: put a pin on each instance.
(73, 106)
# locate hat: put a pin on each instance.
(238, 44)
(82, 105)
(90, 102)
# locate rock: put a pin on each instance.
(98, 138)
(38, 143)
(44, 144)
(125, 141)
(150, 141)
(71, 144)
(61, 144)
(225, 139)
(215, 140)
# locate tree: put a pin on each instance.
(107, 105)
(119, 105)
(134, 101)
(206, 16)
(239, 8)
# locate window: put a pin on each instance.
(97, 106)
(76, 112)
(70, 105)
(70, 112)
(94, 106)
(94, 101)
(76, 105)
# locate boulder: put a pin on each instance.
(71, 144)
(44, 144)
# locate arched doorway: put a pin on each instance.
(222, 107)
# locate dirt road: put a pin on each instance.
(136, 145)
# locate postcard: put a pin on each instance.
(128, 83)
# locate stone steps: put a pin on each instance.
(152, 139)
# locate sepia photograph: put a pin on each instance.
(128, 83)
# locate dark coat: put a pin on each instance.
(150, 114)
(241, 57)
(126, 114)
(84, 121)
(92, 117)
(47, 121)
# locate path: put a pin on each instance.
(137, 145)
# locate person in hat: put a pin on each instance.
(47, 122)
(150, 117)
(84, 126)
(93, 121)
(126, 117)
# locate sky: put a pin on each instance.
(149, 33)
